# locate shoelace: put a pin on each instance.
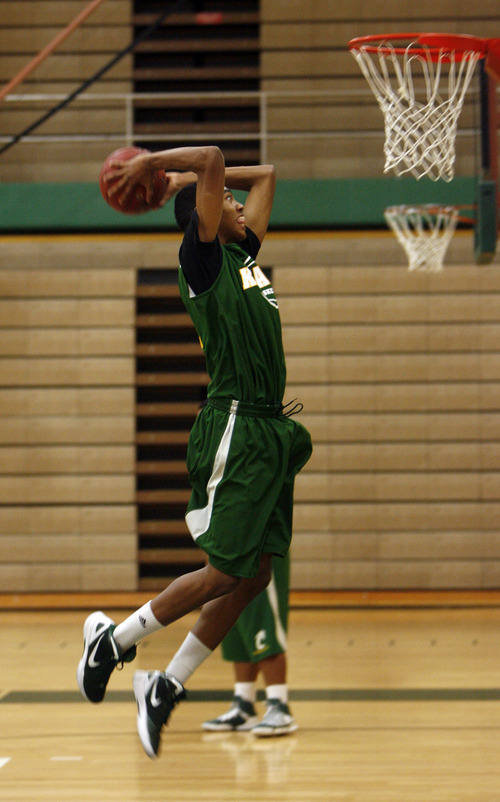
(294, 410)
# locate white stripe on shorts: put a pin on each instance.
(198, 521)
(273, 601)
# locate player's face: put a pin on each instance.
(232, 225)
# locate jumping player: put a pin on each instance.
(243, 452)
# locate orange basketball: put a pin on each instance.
(136, 203)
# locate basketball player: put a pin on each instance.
(243, 451)
(257, 645)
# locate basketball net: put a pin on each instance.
(421, 97)
(424, 232)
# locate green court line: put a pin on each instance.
(298, 695)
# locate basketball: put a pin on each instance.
(136, 203)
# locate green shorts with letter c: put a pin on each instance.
(242, 461)
(261, 629)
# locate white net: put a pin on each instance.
(424, 232)
(421, 96)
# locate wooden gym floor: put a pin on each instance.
(394, 703)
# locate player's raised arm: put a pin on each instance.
(260, 183)
(204, 164)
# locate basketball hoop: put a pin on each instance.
(420, 81)
(425, 232)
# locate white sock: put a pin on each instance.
(277, 692)
(141, 623)
(246, 691)
(191, 654)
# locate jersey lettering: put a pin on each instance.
(260, 641)
(247, 278)
(260, 278)
(253, 277)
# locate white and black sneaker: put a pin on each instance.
(277, 720)
(156, 694)
(240, 717)
(101, 655)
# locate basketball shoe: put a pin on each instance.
(101, 654)
(277, 720)
(241, 717)
(156, 694)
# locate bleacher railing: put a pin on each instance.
(123, 109)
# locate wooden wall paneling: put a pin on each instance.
(66, 430)
(69, 548)
(400, 379)
(67, 481)
(370, 279)
(182, 58)
(399, 376)
(57, 163)
(62, 371)
(107, 121)
(40, 14)
(90, 401)
(50, 342)
(62, 489)
(324, 10)
(372, 338)
(66, 576)
(86, 283)
(404, 397)
(51, 312)
(98, 460)
(171, 381)
(27, 28)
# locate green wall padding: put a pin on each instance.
(486, 231)
(316, 203)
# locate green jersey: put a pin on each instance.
(243, 453)
(237, 320)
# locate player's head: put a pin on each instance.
(184, 205)
(232, 225)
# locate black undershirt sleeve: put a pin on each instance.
(201, 261)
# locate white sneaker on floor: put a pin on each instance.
(277, 720)
(240, 717)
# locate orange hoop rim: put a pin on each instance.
(432, 208)
(436, 208)
(426, 44)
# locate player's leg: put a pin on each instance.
(241, 716)
(277, 719)
(262, 509)
(107, 645)
(101, 655)
(257, 644)
(157, 692)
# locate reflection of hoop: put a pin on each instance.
(420, 84)
(424, 231)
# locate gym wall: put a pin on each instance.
(399, 374)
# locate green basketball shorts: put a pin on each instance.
(261, 629)
(242, 469)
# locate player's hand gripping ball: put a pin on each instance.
(136, 203)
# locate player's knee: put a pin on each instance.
(263, 576)
(219, 583)
(265, 573)
(266, 565)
